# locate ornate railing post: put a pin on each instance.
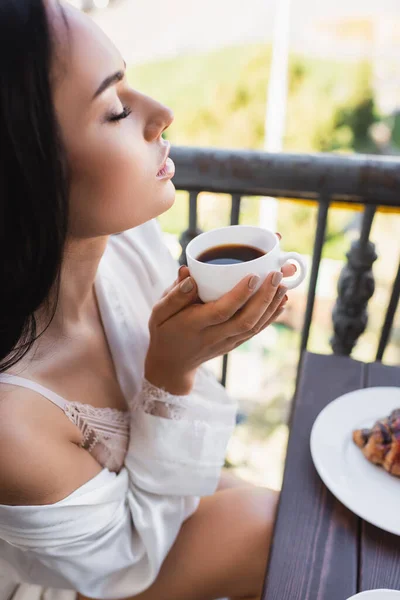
(355, 287)
(189, 234)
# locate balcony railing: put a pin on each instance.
(325, 178)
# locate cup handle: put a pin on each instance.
(299, 278)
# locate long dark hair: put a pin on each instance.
(33, 178)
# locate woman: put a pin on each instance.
(116, 500)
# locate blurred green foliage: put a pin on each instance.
(219, 100)
(396, 130)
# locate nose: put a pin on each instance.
(158, 120)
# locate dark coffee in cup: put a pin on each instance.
(230, 254)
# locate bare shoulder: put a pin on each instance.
(40, 462)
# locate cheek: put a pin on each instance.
(113, 182)
(101, 161)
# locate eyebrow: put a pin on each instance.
(109, 81)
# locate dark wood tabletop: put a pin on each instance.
(321, 550)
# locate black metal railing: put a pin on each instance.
(326, 178)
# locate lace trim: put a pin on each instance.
(114, 415)
(92, 435)
(153, 392)
(113, 444)
(158, 402)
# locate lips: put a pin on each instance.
(166, 154)
(167, 169)
(163, 169)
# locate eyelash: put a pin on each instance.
(113, 118)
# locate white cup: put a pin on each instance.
(213, 281)
(377, 595)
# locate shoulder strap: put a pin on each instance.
(36, 387)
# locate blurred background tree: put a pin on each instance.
(219, 99)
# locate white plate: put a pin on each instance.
(377, 595)
(367, 490)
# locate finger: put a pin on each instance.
(255, 309)
(274, 317)
(234, 342)
(178, 298)
(279, 235)
(289, 270)
(220, 311)
(171, 287)
(183, 273)
(278, 302)
(239, 340)
(267, 324)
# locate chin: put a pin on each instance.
(168, 198)
(164, 202)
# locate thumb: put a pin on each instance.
(182, 274)
(183, 294)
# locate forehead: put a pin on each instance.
(84, 54)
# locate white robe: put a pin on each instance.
(109, 538)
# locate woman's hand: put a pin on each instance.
(184, 333)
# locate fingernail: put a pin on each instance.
(187, 285)
(282, 291)
(276, 278)
(253, 282)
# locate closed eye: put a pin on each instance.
(114, 117)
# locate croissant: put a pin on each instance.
(381, 444)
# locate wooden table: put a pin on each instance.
(321, 550)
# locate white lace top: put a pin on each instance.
(105, 430)
(109, 538)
